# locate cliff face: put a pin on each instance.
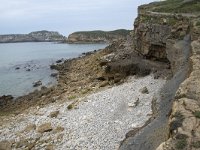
(97, 36)
(172, 38)
(38, 36)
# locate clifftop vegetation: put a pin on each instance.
(177, 6)
(99, 33)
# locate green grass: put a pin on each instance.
(106, 34)
(177, 6)
(197, 114)
(71, 97)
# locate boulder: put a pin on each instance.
(37, 83)
(54, 114)
(144, 90)
(46, 127)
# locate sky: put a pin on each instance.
(67, 16)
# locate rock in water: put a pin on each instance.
(37, 83)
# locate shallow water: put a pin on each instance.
(37, 57)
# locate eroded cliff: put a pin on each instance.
(173, 38)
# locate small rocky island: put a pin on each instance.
(37, 36)
(97, 36)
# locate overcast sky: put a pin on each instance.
(66, 16)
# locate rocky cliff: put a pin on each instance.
(97, 36)
(38, 36)
(173, 38)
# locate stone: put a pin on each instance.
(46, 127)
(54, 114)
(58, 129)
(30, 127)
(37, 83)
(49, 147)
(22, 143)
(144, 90)
(54, 74)
(5, 145)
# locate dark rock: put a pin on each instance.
(37, 83)
(54, 66)
(28, 69)
(144, 90)
(101, 78)
(5, 99)
(54, 74)
(54, 114)
(59, 61)
(17, 68)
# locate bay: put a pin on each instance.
(21, 64)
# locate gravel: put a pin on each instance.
(101, 120)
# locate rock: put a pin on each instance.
(46, 127)
(103, 84)
(22, 143)
(53, 67)
(49, 147)
(17, 68)
(5, 145)
(144, 90)
(59, 61)
(135, 104)
(37, 83)
(30, 127)
(54, 75)
(54, 114)
(28, 69)
(5, 99)
(58, 129)
(131, 105)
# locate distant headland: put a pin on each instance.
(37, 36)
(96, 36)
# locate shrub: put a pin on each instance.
(71, 97)
(177, 122)
(181, 144)
(197, 114)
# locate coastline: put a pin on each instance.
(80, 77)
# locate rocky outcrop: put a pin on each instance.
(38, 36)
(185, 118)
(97, 36)
(155, 34)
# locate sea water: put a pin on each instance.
(21, 64)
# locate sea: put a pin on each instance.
(22, 64)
